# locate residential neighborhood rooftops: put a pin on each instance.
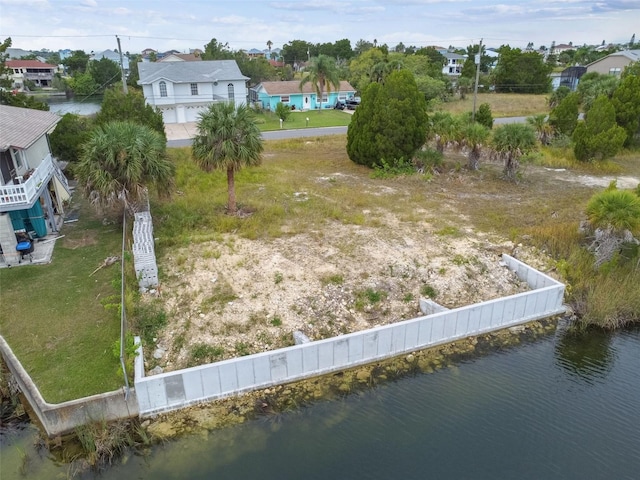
(190, 72)
(292, 86)
(20, 127)
(28, 64)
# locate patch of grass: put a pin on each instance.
(276, 321)
(278, 277)
(460, 260)
(367, 297)
(327, 118)
(448, 231)
(201, 353)
(502, 104)
(334, 279)
(408, 298)
(57, 327)
(148, 319)
(221, 294)
(428, 291)
(242, 349)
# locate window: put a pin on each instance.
(163, 89)
(194, 89)
(284, 98)
(230, 91)
(615, 71)
(17, 155)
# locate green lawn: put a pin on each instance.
(327, 118)
(53, 318)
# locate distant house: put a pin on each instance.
(571, 76)
(37, 72)
(454, 64)
(33, 189)
(255, 53)
(614, 63)
(18, 53)
(269, 94)
(182, 90)
(181, 57)
(148, 51)
(558, 49)
(113, 56)
(65, 53)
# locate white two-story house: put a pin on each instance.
(33, 189)
(454, 64)
(182, 90)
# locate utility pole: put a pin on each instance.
(475, 88)
(124, 76)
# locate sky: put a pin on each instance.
(92, 25)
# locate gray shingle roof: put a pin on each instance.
(190, 72)
(20, 127)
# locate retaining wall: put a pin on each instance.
(60, 418)
(174, 390)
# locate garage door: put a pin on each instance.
(193, 112)
(169, 115)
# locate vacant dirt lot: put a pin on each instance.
(234, 296)
(240, 296)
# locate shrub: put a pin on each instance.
(116, 105)
(70, 133)
(428, 160)
(283, 111)
(598, 137)
(390, 123)
(484, 115)
(617, 209)
(564, 117)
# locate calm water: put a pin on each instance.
(557, 408)
(79, 105)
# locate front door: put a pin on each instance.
(307, 102)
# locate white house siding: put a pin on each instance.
(180, 106)
(36, 152)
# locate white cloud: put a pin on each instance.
(89, 3)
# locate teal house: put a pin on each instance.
(269, 94)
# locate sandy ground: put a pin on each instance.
(242, 296)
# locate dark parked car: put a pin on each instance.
(339, 105)
(352, 103)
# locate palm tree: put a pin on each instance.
(269, 45)
(542, 127)
(445, 128)
(227, 139)
(510, 142)
(119, 161)
(474, 135)
(322, 73)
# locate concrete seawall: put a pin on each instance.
(61, 418)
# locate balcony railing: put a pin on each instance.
(22, 195)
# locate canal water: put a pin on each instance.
(79, 105)
(560, 407)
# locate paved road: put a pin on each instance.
(319, 132)
(280, 135)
